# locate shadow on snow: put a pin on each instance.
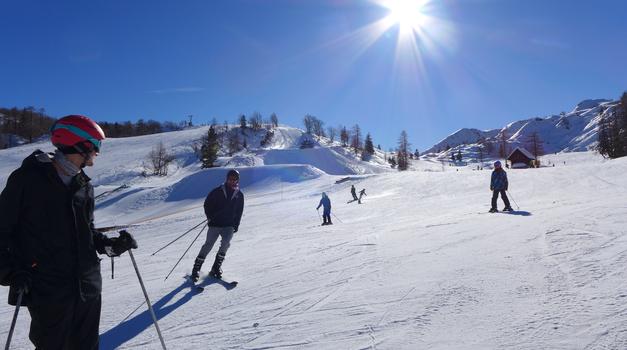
(128, 329)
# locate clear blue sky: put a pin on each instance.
(475, 63)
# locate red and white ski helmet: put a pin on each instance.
(76, 134)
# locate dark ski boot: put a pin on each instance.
(493, 210)
(216, 271)
(196, 270)
(508, 208)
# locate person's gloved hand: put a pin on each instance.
(21, 280)
(235, 228)
(491, 189)
(119, 245)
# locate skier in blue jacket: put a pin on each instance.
(325, 203)
(498, 184)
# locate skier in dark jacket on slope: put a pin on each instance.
(361, 194)
(48, 244)
(224, 206)
(499, 184)
(354, 193)
(325, 203)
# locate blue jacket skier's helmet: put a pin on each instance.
(497, 164)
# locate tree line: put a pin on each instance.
(613, 130)
(23, 125)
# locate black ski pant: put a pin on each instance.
(495, 196)
(71, 325)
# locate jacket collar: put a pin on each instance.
(234, 195)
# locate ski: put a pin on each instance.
(193, 284)
(231, 284)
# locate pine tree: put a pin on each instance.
(402, 152)
(368, 148)
(459, 155)
(604, 145)
(209, 149)
(243, 124)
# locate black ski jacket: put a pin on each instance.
(46, 229)
(224, 208)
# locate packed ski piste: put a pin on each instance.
(96, 256)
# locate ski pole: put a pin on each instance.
(152, 312)
(177, 238)
(512, 197)
(186, 250)
(112, 267)
(318, 211)
(338, 219)
(17, 310)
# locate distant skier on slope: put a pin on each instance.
(325, 202)
(499, 184)
(354, 193)
(361, 194)
(48, 243)
(224, 206)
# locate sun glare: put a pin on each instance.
(406, 13)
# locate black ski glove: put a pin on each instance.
(21, 280)
(235, 228)
(119, 245)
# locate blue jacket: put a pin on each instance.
(499, 180)
(326, 203)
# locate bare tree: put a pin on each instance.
(233, 143)
(159, 160)
(308, 121)
(331, 133)
(356, 138)
(534, 142)
(256, 120)
(318, 127)
(343, 136)
(503, 147)
(274, 120)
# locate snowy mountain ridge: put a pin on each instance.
(574, 131)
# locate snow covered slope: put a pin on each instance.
(569, 132)
(419, 265)
(118, 178)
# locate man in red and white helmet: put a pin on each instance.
(48, 243)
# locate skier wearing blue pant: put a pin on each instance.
(325, 203)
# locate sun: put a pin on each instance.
(408, 14)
